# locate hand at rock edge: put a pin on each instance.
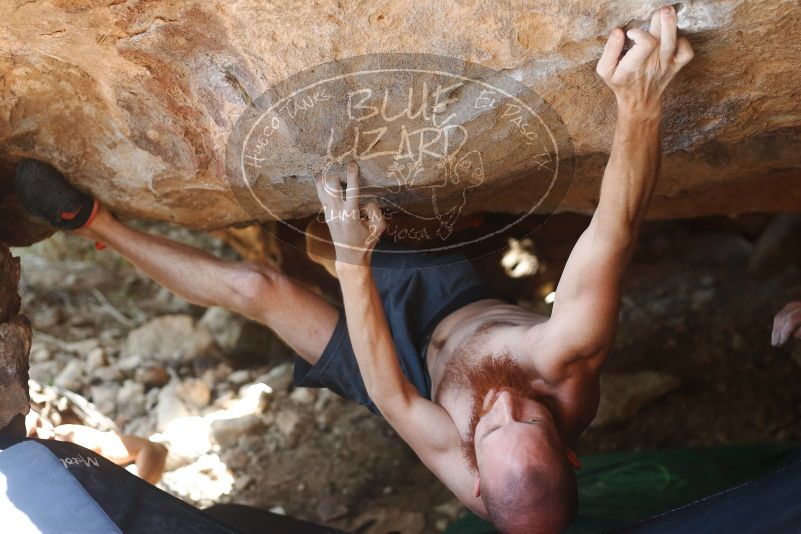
(639, 78)
(354, 230)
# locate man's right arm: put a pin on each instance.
(424, 425)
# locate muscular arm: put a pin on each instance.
(424, 425)
(585, 310)
(584, 317)
(372, 342)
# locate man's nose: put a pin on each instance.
(504, 406)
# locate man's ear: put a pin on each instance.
(477, 487)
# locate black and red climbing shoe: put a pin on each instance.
(43, 191)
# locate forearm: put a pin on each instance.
(630, 176)
(371, 338)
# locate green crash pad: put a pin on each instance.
(620, 488)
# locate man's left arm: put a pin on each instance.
(584, 317)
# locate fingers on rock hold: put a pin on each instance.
(684, 52)
(352, 192)
(374, 215)
(667, 35)
(644, 45)
(655, 27)
(614, 46)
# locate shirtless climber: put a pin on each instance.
(492, 397)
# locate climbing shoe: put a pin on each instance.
(43, 191)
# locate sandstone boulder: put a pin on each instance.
(15, 343)
(624, 394)
(136, 101)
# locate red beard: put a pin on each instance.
(501, 372)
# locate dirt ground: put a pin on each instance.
(690, 310)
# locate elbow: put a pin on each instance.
(393, 405)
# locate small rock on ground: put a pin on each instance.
(624, 394)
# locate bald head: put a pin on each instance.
(532, 501)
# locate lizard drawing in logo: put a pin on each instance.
(454, 175)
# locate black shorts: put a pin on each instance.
(417, 289)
